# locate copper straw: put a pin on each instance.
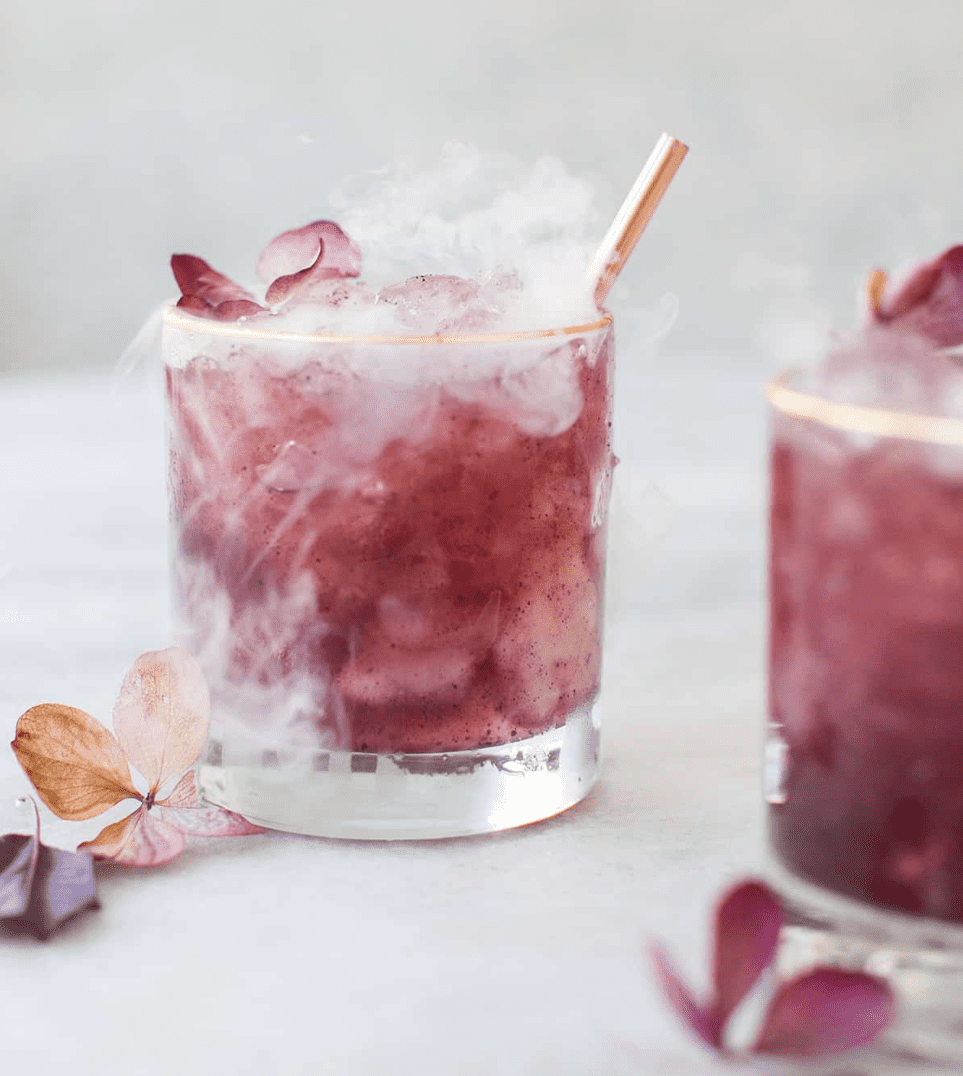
(635, 214)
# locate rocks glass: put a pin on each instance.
(388, 556)
(864, 755)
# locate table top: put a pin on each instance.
(520, 953)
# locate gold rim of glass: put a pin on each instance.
(180, 320)
(878, 421)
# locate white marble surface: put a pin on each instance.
(519, 954)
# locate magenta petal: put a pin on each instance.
(318, 251)
(236, 308)
(194, 305)
(205, 291)
(929, 301)
(826, 1011)
(286, 286)
(699, 1020)
(290, 252)
(747, 934)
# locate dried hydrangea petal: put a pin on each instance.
(747, 935)
(161, 714)
(74, 763)
(208, 293)
(140, 840)
(296, 259)
(701, 1020)
(826, 1011)
(185, 810)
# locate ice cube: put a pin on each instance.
(336, 294)
(424, 302)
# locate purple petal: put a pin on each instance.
(929, 301)
(207, 292)
(18, 862)
(747, 934)
(700, 1020)
(40, 887)
(194, 305)
(65, 885)
(302, 256)
(826, 1011)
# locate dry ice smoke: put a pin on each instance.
(477, 213)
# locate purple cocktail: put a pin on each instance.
(866, 675)
(389, 542)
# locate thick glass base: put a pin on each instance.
(365, 796)
(921, 958)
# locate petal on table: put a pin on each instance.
(747, 935)
(700, 1020)
(161, 715)
(140, 840)
(75, 764)
(826, 1011)
(40, 887)
(185, 810)
(18, 863)
(64, 886)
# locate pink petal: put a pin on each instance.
(161, 714)
(194, 305)
(747, 934)
(209, 293)
(929, 301)
(286, 286)
(826, 1011)
(295, 259)
(236, 308)
(290, 252)
(185, 810)
(141, 840)
(700, 1020)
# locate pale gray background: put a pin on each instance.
(825, 139)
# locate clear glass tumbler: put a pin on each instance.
(864, 754)
(388, 555)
